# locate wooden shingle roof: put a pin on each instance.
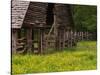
(19, 9)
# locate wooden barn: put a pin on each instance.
(37, 27)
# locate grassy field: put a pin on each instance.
(82, 57)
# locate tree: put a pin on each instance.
(85, 17)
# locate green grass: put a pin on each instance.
(82, 57)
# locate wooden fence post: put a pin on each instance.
(82, 35)
(64, 39)
(87, 35)
(71, 40)
(67, 38)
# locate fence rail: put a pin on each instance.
(70, 38)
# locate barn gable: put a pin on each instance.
(64, 15)
(19, 9)
(36, 15)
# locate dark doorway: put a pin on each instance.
(36, 40)
(50, 14)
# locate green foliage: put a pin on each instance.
(85, 17)
(82, 57)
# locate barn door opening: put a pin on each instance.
(50, 14)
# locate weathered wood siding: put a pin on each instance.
(36, 15)
(63, 15)
(64, 22)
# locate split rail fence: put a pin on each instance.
(68, 40)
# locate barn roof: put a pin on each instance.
(34, 14)
(19, 9)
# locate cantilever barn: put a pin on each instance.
(38, 27)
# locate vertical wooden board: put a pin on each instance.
(64, 39)
(29, 39)
(71, 38)
(67, 37)
(82, 35)
(58, 39)
(75, 35)
(14, 41)
(87, 35)
(41, 40)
